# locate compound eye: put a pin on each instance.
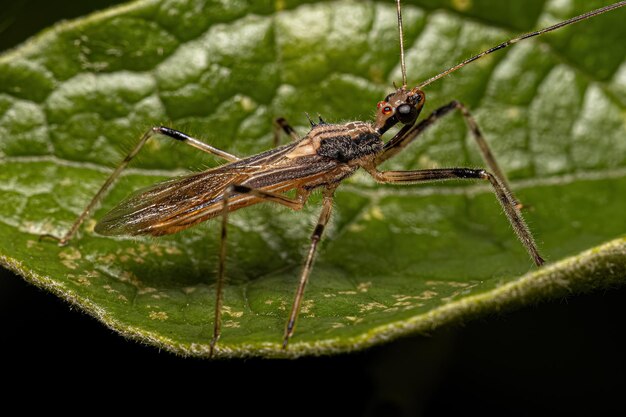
(406, 113)
(386, 109)
(404, 109)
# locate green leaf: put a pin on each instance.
(395, 259)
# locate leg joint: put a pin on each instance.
(172, 133)
(470, 173)
(485, 175)
(462, 108)
(282, 123)
(317, 233)
(241, 189)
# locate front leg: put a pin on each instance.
(409, 133)
(506, 199)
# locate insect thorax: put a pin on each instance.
(346, 142)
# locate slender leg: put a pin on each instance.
(408, 133)
(295, 204)
(308, 264)
(158, 130)
(198, 144)
(280, 124)
(505, 198)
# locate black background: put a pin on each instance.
(564, 357)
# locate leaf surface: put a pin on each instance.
(395, 259)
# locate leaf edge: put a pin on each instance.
(602, 266)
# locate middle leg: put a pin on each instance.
(308, 264)
(295, 204)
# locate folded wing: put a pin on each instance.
(163, 208)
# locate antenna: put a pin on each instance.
(401, 35)
(509, 42)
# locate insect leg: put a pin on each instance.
(308, 264)
(506, 199)
(295, 204)
(409, 133)
(282, 124)
(157, 130)
(198, 144)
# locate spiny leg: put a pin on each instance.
(507, 201)
(281, 124)
(295, 204)
(408, 133)
(308, 264)
(158, 130)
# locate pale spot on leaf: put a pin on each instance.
(228, 311)
(68, 256)
(306, 307)
(158, 315)
(374, 213)
(146, 290)
(231, 324)
(462, 5)
(370, 306)
(356, 227)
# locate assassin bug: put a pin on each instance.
(324, 157)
